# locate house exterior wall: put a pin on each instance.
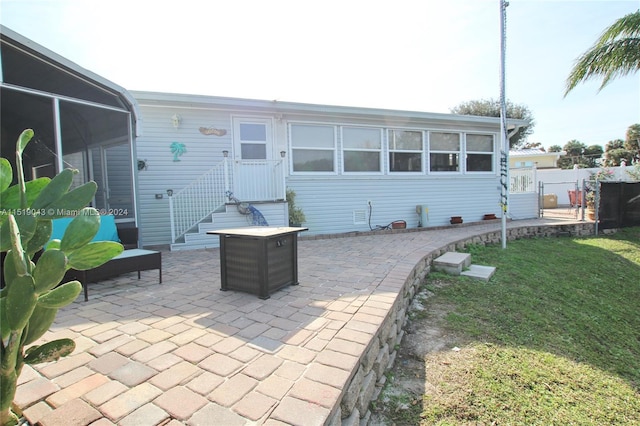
(333, 202)
(540, 161)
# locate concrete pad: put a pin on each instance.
(479, 272)
(452, 262)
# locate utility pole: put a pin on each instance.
(504, 140)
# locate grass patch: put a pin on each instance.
(490, 384)
(553, 338)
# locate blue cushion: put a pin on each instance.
(59, 226)
(107, 231)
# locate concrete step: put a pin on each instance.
(483, 273)
(452, 263)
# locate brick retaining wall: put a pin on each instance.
(368, 379)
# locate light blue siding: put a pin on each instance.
(162, 172)
(329, 204)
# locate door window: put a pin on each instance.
(253, 141)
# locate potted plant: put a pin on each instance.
(590, 200)
(590, 197)
(296, 215)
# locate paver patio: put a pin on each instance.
(184, 352)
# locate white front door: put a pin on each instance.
(253, 149)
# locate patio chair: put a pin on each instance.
(575, 198)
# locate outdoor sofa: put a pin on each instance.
(132, 259)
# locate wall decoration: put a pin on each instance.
(212, 131)
(177, 149)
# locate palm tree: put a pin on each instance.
(615, 54)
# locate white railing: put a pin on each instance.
(198, 200)
(522, 180)
(248, 181)
(258, 180)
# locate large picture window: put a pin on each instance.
(313, 148)
(362, 148)
(405, 151)
(444, 152)
(480, 153)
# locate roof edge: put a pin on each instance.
(278, 106)
(8, 34)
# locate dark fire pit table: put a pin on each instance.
(258, 260)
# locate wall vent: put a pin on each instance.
(359, 217)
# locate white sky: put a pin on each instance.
(423, 55)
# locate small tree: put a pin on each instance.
(592, 155)
(616, 153)
(579, 154)
(491, 108)
(32, 294)
(632, 140)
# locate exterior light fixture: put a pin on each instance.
(225, 153)
(170, 192)
(283, 153)
(176, 120)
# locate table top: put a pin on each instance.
(258, 231)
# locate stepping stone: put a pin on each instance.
(452, 263)
(483, 273)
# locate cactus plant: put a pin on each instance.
(32, 294)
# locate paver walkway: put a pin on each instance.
(184, 352)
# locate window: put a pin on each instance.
(253, 141)
(362, 148)
(405, 151)
(444, 152)
(313, 148)
(479, 153)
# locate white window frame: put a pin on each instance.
(491, 153)
(379, 150)
(460, 153)
(390, 132)
(292, 148)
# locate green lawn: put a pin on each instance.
(552, 339)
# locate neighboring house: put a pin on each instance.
(176, 165)
(537, 158)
